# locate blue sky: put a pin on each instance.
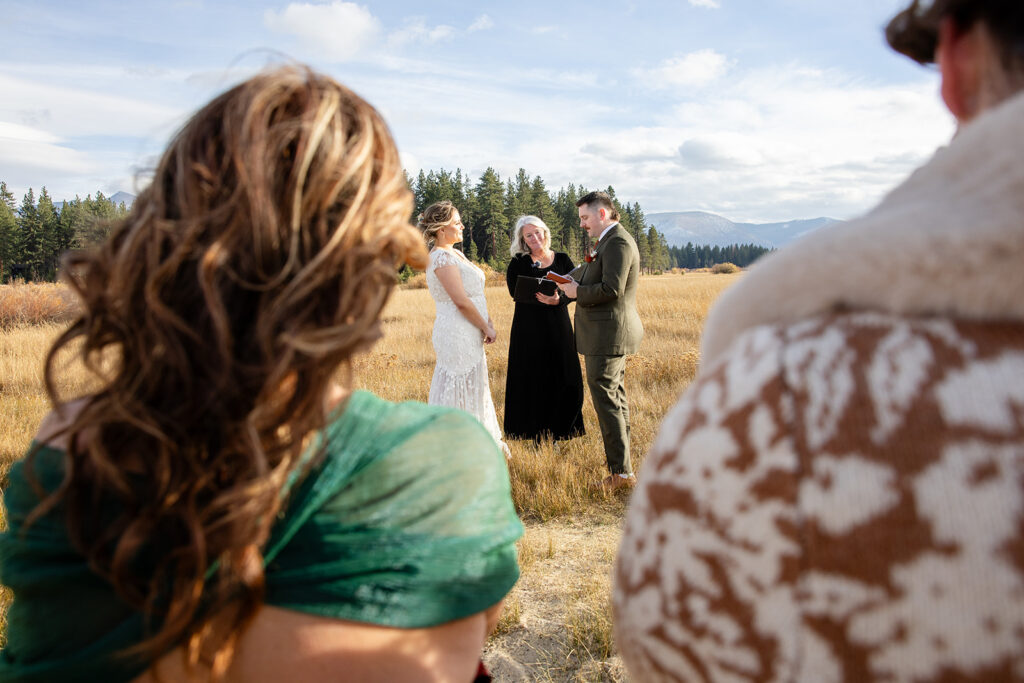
(756, 110)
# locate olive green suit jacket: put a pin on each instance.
(607, 322)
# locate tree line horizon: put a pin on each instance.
(34, 234)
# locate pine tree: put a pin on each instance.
(690, 256)
(7, 197)
(469, 210)
(458, 192)
(654, 257)
(645, 251)
(418, 188)
(68, 220)
(639, 219)
(29, 229)
(490, 230)
(8, 231)
(510, 192)
(518, 198)
(49, 237)
(97, 217)
(572, 241)
(542, 207)
(658, 250)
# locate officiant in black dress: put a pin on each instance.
(544, 387)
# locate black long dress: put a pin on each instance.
(544, 388)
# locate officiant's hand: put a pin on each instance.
(569, 288)
(549, 299)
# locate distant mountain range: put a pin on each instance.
(119, 197)
(699, 227)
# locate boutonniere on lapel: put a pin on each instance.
(591, 254)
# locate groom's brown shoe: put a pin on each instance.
(613, 482)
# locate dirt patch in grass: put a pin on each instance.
(557, 623)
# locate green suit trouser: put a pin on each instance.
(606, 378)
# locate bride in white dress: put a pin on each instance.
(462, 325)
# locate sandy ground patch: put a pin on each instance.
(557, 621)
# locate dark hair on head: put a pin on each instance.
(914, 31)
(599, 200)
(252, 268)
(434, 218)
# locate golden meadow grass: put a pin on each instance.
(550, 481)
(26, 304)
(552, 485)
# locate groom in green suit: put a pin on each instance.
(608, 327)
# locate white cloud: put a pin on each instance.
(481, 23)
(14, 132)
(339, 30)
(786, 141)
(76, 128)
(719, 152)
(691, 70)
(66, 111)
(35, 158)
(417, 31)
(772, 143)
(712, 4)
(26, 147)
(636, 145)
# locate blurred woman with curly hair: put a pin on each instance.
(222, 505)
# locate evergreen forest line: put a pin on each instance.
(490, 207)
(35, 233)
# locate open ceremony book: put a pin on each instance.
(560, 279)
(527, 287)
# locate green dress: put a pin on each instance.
(407, 522)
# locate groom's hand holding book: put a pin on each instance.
(560, 279)
(565, 283)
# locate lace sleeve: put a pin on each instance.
(443, 258)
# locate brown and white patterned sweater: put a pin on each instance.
(839, 496)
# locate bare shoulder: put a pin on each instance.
(282, 644)
(52, 429)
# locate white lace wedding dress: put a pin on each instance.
(460, 373)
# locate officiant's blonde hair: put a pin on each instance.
(518, 245)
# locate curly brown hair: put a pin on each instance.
(252, 268)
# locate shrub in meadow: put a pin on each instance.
(35, 304)
(417, 281)
(725, 268)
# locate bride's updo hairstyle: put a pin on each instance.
(251, 269)
(435, 217)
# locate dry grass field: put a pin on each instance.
(557, 621)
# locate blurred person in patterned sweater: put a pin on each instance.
(839, 496)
